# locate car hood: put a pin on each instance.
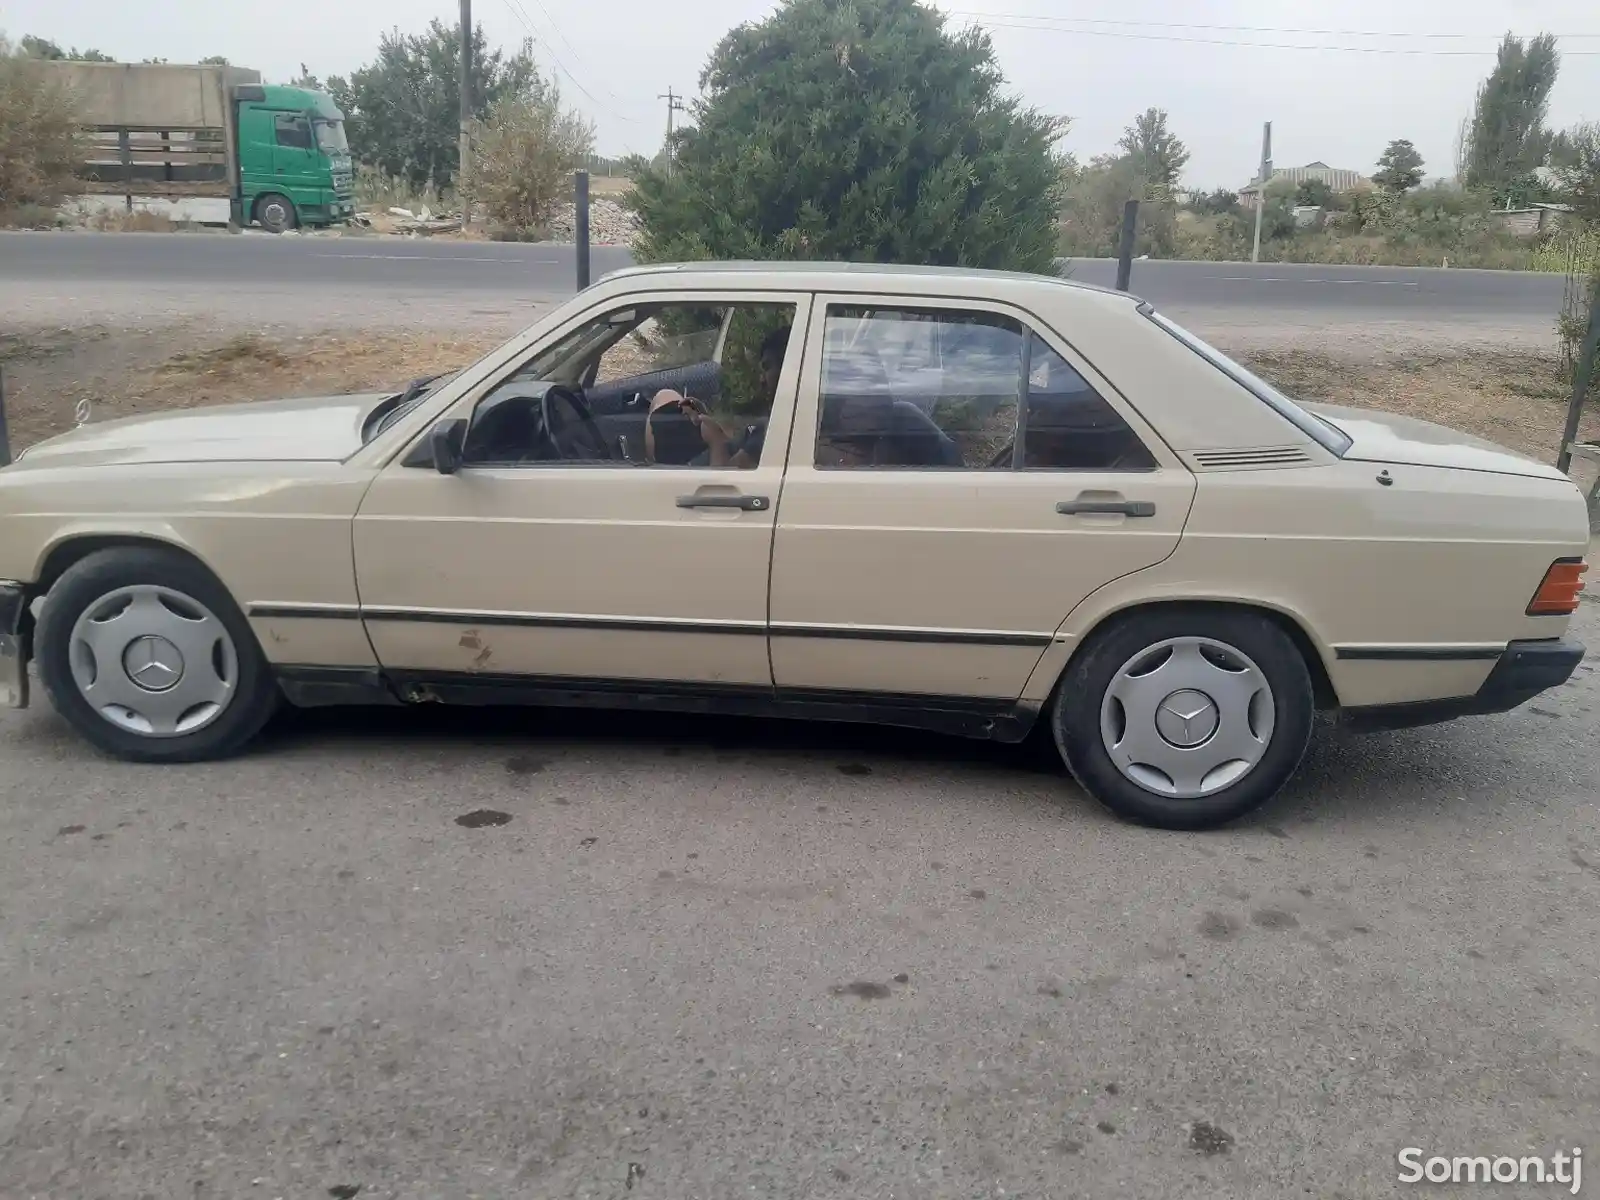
(1389, 438)
(316, 429)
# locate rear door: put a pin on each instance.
(917, 551)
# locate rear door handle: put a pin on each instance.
(1121, 508)
(746, 503)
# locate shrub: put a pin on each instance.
(41, 141)
(524, 157)
(856, 130)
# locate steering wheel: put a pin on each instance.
(571, 428)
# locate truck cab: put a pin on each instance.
(294, 162)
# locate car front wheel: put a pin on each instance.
(148, 657)
(1185, 718)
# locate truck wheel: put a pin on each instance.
(276, 213)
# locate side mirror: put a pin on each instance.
(446, 438)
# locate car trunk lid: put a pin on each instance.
(1382, 437)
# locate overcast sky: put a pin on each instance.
(1109, 60)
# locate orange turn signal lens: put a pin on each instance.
(1558, 593)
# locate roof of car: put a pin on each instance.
(857, 276)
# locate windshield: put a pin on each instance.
(1333, 440)
(330, 137)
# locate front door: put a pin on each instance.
(918, 551)
(602, 568)
(297, 168)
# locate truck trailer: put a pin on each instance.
(198, 140)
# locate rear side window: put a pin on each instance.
(939, 388)
(906, 387)
(1069, 425)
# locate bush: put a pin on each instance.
(523, 160)
(41, 142)
(855, 130)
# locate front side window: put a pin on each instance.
(910, 388)
(293, 131)
(655, 385)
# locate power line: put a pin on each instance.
(516, 9)
(1161, 37)
(1391, 33)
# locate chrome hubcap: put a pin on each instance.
(1187, 717)
(153, 661)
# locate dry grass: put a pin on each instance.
(138, 221)
(128, 374)
(1515, 399)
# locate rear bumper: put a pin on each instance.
(1523, 671)
(16, 636)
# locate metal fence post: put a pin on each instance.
(580, 203)
(1582, 376)
(1130, 221)
(5, 433)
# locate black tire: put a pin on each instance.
(276, 213)
(1075, 713)
(255, 694)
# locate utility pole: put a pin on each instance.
(1261, 186)
(463, 187)
(674, 105)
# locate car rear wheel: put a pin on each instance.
(1185, 718)
(148, 657)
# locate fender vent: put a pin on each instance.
(1236, 460)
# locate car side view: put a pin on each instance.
(971, 502)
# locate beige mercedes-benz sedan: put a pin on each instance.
(966, 501)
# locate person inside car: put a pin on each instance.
(723, 449)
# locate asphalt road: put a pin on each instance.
(710, 958)
(414, 268)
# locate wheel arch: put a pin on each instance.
(1292, 624)
(67, 551)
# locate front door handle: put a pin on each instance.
(1121, 508)
(746, 503)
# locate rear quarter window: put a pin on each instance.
(1333, 440)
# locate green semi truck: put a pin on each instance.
(210, 144)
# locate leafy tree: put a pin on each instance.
(1157, 154)
(1091, 219)
(402, 111)
(41, 140)
(1399, 167)
(215, 60)
(856, 130)
(1506, 140)
(1218, 203)
(1314, 192)
(524, 157)
(38, 47)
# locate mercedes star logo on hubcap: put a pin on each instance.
(1187, 718)
(153, 663)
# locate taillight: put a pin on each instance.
(1558, 591)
